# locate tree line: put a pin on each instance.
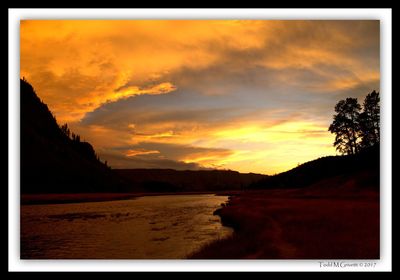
(356, 127)
(84, 147)
(74, 137)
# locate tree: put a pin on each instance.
(76, 137)
(65, 130)
(369, 120)
(346, 126)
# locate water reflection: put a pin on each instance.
(153, 227)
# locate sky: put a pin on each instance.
(247, 95)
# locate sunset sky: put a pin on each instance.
(246, 95)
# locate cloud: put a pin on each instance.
(251, 95)
(171, 151)
(79, 65)
(128, 91)
(132, 153)
(74, 94)
(145, 155)
(121, 162)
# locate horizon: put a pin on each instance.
(253, 96)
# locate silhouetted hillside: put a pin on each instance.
(159, 180)
(324, 168)
(51, 162)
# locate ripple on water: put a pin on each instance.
(156, 227)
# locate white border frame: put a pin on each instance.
(15, 15)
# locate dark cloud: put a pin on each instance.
(119, 161)
(172, 151)
(180, 107)
(166, 156)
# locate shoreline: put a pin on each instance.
(54, 198)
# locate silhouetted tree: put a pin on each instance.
(369, 120)
(65, 130)
(346, 126)
(76, 137)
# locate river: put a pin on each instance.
(149, 227)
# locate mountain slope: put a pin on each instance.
(325, 168)
(51, 162)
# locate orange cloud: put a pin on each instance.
(132, 153)
(162, 88)
(98, 56)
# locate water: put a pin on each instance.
(152, 227)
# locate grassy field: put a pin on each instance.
(318, 222)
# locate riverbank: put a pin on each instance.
(312, 223)
(31, 199)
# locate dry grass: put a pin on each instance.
(300, 224)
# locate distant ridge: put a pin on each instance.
(51, 162)
(159, 180)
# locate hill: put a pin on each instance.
(51, 162)
(366, 162)
(159, 180)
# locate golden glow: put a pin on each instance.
(134, 90)
(283, 146)
(132, 153)
(77, 66)
(250, 145)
